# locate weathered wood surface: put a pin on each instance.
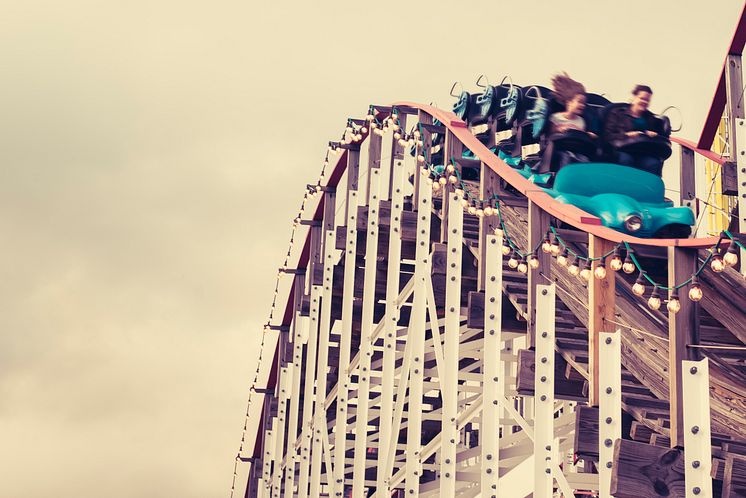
(566, 389)
(641, 470)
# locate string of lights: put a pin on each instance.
(352, 133)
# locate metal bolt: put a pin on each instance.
(543, 397)
(608, 443)
(693, 370)
(695, 464)
(544, 334)
(696, 490)
(608, 465)
(608, 340)
(543, 359)
(608, 390)
(543, 292)
(543, 378)
(695, 429)
(608, 420)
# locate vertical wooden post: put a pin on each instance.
(374, 160)
(683, 329)
(601, 306)
(424, 118)
(687, 180)
(298, 325)
(452, 148)
(489, 184)
(538, 224)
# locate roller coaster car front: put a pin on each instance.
(626, 199)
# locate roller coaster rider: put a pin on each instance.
(571, 94)
(627, 121)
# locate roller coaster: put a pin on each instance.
(464, 320)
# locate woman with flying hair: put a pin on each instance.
(571, 94)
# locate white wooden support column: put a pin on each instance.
(294, 392)
(697, 449)
(449, 378)
(345, 341)
(267, 458)
(366, 346)
(544, 392)
(493, 378)
(391, 319)
(416, 336)
(609, 405)
(280, 433)
(306, 435)
(320, 421)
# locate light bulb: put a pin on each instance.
(533, 262)
(574, 269)
(585, 274)
(629, 265)
(673, 305)
(465, 202)
(600, 271)
(654, 301)
(562, 258)
(453, 179)
(639, 288)
(394, 126)
(442, 180)
(554, 249)
(436, 186)
(420, 158)
(615, 263)
(369, 116)
(522, 266)
(420, 143)
(546, 246)
(489, 211)
(717, 264)
(480, 212)
(348, 129)
(506, 247)
(397, 136)
(695, 291)
(373, 125)
(363, 129)
(417, 134)
(731, 257)
(394, 116)
(402, 142)
(512, 262)
(472, 210)
(450, 168)
(410, 142)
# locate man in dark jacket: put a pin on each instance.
(632, 120)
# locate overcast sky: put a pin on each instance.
(152, 156)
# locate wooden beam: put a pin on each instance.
(586, 433)
(601, 304)
(682, 331)
(643, 470)
(489, 184)
(538, 224)
(565, 389)
(734, 477)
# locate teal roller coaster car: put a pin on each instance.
(626, 199)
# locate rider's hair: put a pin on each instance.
(565, 88)
(642, 88)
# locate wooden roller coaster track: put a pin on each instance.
(414, 359)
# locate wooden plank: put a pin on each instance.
(641, 470)
(538, 224)
(586, 433)
(452, 148)
(682, 331)
(601, 306)
(734, 477)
